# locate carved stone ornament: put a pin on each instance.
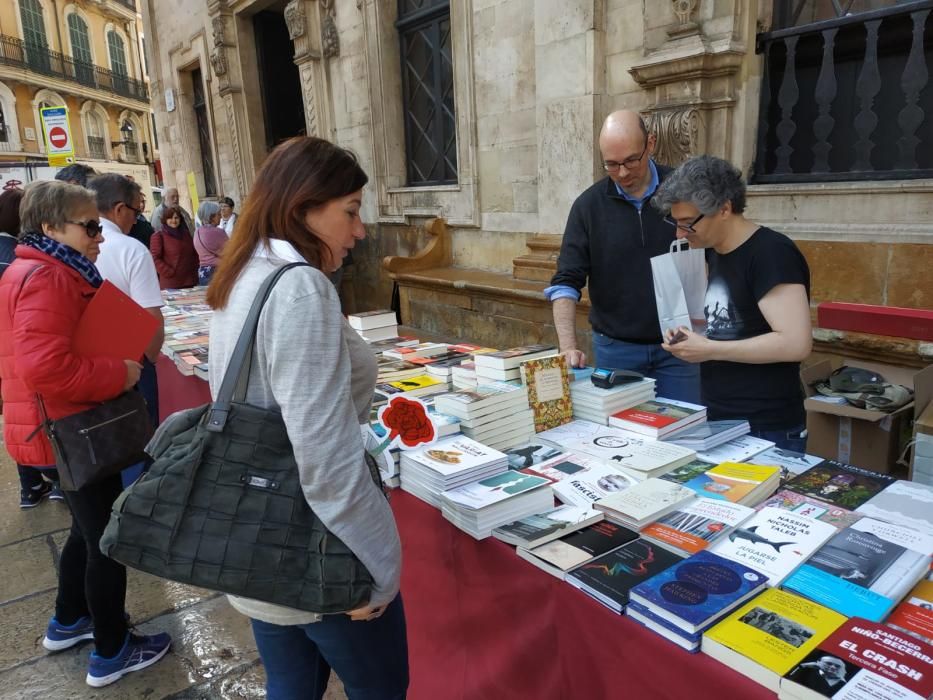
(217, 27)
(295, 19)
(684, 9)
(219, 61)
(330, 41)
(677, 132)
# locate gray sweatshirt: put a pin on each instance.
(320, 374)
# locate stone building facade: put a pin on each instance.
(520, 90)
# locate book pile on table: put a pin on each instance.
(545, 526)
(659, 417)
(644, 502)
(187, 323)
(581, 547)
(582, 480)
(409, 351)
(696, 525)
(496, 413)
(419, 385)
(478, 508)
(689, 597)
(463, 376)
(450, 462)
(747, 484)
(705, 436)
(739, 449)
(504, 365)
(596, 404)
(374, 326)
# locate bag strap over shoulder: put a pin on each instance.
(236, 374)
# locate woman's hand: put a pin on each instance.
(133, 370)
(686, 345)
(367, 613)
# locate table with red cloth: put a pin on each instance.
(486, 625)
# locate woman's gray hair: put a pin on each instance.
(706, 182)
(52, 202)
(206, 210)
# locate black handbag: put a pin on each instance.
(100, 441)
(222, 507)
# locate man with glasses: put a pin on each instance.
(757, 304)
(128, 265)
(610, 238)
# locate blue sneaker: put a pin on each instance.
(30, 498)
(59, 636)
(137, 653)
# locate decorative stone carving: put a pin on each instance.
(330, 41)
(219, 61)
(295, 19)
(677, 131)
(306, 71)
(217, 29)
(684, 9)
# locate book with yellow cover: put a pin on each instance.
(770, 634)
(548, 385)
(747, 484)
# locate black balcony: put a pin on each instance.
(848, 98)
(129, 4)
(39, 59)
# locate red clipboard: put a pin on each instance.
(113, 325)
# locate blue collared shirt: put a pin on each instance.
(560, 291)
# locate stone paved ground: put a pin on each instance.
(213, 654)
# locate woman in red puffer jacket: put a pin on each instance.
(43, 295)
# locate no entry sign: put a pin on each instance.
(58, 144)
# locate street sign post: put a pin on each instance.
(59, 146)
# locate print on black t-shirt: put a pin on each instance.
(722, 320)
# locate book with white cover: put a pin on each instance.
(495, 489)
(455, 454)
(374, 335)
(544, 527)
(365, 320)
(774, 542)
(706, 436)
(589, 486)
(485, 398)
(645, 502)
(513, 357)
(739, 449)
(906, 502)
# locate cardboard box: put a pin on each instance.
(921, 466)
(868, 439)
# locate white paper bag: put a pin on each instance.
(679, 285)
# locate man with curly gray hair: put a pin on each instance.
(757, 304)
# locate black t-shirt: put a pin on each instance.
(768, 395)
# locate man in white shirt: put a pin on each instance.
(128, 265)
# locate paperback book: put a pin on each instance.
(609, 578)
(914, 616)
(513, 357)
(696, 525)
(774, 542)
(740, 449)
(658, 417)
(570, 551)
(366, 320)
(587, 486)
(544, 527)
(747, 484)
(644, 502)
(687, 472)
(791, 463)
(909, 503)
(864, 570)
(810, 507)
(531, 453)
(839, 483)
(548, 391)
(705, 436)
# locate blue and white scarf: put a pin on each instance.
(66, 254)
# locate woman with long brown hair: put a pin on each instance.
(307, 363)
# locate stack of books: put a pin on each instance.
(611, 577)
(740, 449)
(791, 463)
(696, 525)
(644, 502)
(659, 418)
(451, 462)
(390, 370)
(496, 414)
(592, 403)
(504, 365)
(915, 615)
(463, 376)
(546, 526)
(581, 480)
(706, 436)
(187, 324)
(570, 551)
(688, 598)
(408, 351)
(747, 484)
(374, 326)
(441, 367)
(419, 385)
(633, 454)
(480, 507)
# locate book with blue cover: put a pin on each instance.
(865, 569)
(696, 592)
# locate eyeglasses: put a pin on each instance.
(91, 227)
(136, 212)
(610, 166)
(684, 227)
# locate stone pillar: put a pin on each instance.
(569, 46)
(312, 28)
(227, 69)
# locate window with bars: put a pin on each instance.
(81, 49)
(846, 93)
(34, 37)
(4, 130)
(428, 106)
(199, 103)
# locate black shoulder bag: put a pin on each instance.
(222, 506)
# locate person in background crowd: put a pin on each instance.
(170, 199)
(304, 207)
(610, 238)
(42, 297)
(757, 304)
(129, 266)
(142, 230)
(76, 174)
(227, 215)
(209, 240)
(35, 482)
(173, 252)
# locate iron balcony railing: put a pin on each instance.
(131, 4)
(848, 98)
(132, 151)
(97, 147)
(40, 59)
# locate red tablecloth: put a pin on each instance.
(486, 625)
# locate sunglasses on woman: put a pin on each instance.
(91, 227)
